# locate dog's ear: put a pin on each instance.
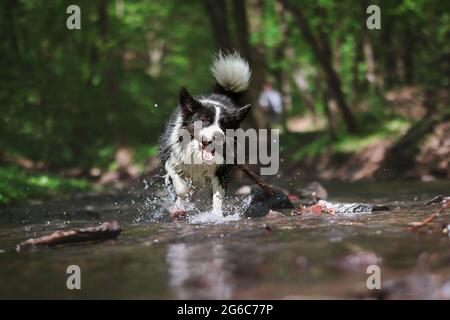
(243, 112)
(187, 102)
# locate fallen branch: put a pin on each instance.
(430, 218)
(105, 231)
(427, 220)
(437, 199)
(267, 189)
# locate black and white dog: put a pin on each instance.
(191, 160)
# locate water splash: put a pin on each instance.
(234, 211)
(153, 204)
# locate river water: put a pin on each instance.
(234, 257)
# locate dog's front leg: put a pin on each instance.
(218, 194)
(181, 190)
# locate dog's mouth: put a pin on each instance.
(208, 150)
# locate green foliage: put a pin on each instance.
(17, 185)
(71, 98)
(345, 143)
(67, 96)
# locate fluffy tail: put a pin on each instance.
(231, 73)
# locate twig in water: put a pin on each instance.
(267, 189)
(437, 199)
(430, 218)
(416, 225)
(105, 231)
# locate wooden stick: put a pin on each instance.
(105, 231)
(267, 189)
(431, 217)
(424, 222)
(437, 199)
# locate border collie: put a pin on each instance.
(192, 160)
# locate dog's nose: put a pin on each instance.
(206, 143)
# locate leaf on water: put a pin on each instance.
(315, 209)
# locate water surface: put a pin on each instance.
(237, 257)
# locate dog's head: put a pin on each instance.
(207, 119)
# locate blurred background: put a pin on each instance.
(83, 109)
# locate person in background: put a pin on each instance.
(272, 104)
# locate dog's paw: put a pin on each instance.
(177, 213)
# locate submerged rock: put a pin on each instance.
(275, 215)
(356, 207)
(325, 207)
(262, 203)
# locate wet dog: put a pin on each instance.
(196, 132)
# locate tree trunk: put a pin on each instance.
(356, 84)
(372, 74)
(302, 85)
(319, 47)
(330, 106)
(242, 32)
(255, 56)
(390, 65)
(408, 53)
(217, 11)
(284, 53)
(9, 15)
(110, 75)
(331, 111)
